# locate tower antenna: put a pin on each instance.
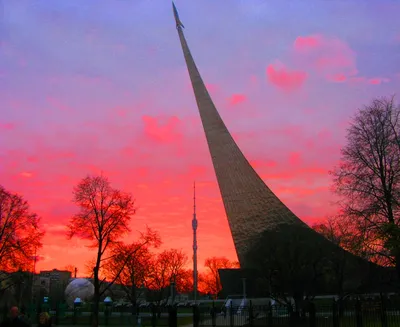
(194, 227)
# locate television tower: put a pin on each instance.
(194, 227)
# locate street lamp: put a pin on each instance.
(172, 284)
(143, 292)
(108, 301)
(244, 288)
(139, 318)
(77, 302)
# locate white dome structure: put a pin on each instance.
(79, 288)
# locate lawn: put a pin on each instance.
(123, 321)
(325, 322)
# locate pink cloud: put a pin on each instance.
(329, 57)
(338, 78)
(285, 79)
(304, 43)
(237, 99)
(162, 130)
(7, 126)
(339, 61)
(372, 81)
(378, 80)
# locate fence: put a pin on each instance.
(336, 314)
(349, 314)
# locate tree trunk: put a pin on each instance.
(133, 299)
(96, 298)
(96, 284)
(95, 312)
(298, 298)
(397, 257)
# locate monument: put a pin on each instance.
(251, 207)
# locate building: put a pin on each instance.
(51, 284)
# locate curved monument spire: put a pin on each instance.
(251, 207)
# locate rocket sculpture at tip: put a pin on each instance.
(177, 20)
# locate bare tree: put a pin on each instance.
(72, 269)
(184, 281)
(103, 219)
(130, 264)
(344, 233)
(211, 280)
(16, 287)
(368, 179)
(20, 234)
(166, 267)
(290, 266)
(347, 236)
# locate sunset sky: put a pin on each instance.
(90, 86)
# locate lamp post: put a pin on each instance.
(139, 318)
(172, 285)
(33, 276)
(143, 292)
(46, 305)
(107, 302)
(244, 288)
(77, 304)
(21, 286)
(172, 314)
